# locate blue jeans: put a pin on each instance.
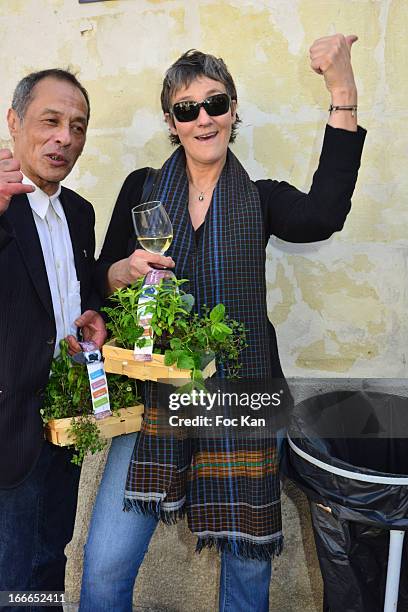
(118, 541)
(36, 523)
(244, 584)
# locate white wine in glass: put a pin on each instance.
(153, 227)
(158, 244)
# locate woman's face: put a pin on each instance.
(205, 139)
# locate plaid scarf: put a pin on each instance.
(228, 487)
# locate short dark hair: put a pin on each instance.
(24, 92)
(190, 66)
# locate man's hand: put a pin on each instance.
(93, 329)
(10, 179)
(126, 271)
(331, 57)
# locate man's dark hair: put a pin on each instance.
(24, 92)
(190, 66)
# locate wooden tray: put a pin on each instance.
(122, 361)
(130, 420)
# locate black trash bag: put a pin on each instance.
(359, 432)
(353, 561)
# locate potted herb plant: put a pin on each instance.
(67, 409)
(185, 343)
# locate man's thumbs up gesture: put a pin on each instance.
(10, 179)
(331, 57)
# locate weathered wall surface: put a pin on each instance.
(340, 307)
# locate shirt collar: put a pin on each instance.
(39, 200)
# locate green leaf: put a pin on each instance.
(169, 358)
(201, 337)
(175, 343)
(217, 333)
(197, 360)
(187, 388)
(198, 376)
(217, 313)
(224, 328)
(185, 362)
(76, 397)
(188, 301)
(199, 385)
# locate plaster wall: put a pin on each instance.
(340, 307)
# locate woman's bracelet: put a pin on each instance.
(352, 108)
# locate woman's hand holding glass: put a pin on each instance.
(155, 233)
(141, 262)
(138, 264)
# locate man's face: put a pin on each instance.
(50, 138)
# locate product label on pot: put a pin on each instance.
(145, 352)
(97, 380)
(152, 280)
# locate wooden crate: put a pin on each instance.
(122, 361)
(130, 420)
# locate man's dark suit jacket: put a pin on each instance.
(27, 325)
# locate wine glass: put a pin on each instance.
(152, 226)
(155, 234)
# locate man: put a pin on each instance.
(46, 264)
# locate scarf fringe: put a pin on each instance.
(242, 548)
(153, 508)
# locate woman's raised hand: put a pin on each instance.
(331, 57)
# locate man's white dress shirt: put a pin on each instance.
(58, 255)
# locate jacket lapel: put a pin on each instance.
(21, 217)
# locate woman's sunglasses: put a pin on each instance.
(214, 106)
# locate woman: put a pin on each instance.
(222, 222)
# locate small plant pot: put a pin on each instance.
(57, 431)
(122, 361)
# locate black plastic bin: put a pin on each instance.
(348, 451)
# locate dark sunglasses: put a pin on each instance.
(214, 106)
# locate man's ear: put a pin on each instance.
(170, 122)
(13, 122)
